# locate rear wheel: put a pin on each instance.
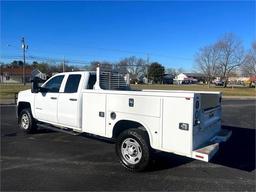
(133, 149)
(26, 121)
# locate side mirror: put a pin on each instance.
(34, 88)
(35, 85)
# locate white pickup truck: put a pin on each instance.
(186, 123)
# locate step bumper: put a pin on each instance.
(206, 152)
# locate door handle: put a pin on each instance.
(101, 114)
(72, 99)
(53, 97)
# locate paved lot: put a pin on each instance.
(56, 161)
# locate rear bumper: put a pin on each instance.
(222, 136)
(206, 152)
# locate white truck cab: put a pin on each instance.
(186, 123)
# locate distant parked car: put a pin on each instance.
(253, 83)
(219, 83)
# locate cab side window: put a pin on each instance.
(72, 84)
(54, 84)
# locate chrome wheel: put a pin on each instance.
(25, 121)
(131, 151)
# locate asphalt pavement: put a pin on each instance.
(56, 161)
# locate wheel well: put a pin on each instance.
(23, 105)
(122, 125)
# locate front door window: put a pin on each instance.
(53, 85)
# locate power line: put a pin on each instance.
(51, 60)
(171, 57)
(48, 59)
(143, 53)
(117, 50)
(45, 59)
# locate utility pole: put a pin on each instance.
(147, 67)
(24, 48)
(63, 65)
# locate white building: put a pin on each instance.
(189, 78)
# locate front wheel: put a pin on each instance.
(133, 149)
(26, 121)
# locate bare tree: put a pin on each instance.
(231, 55)
(104, 66)
(248, 67)
(121, 67)
(172, 71)
(180, 70)
(93, 65)
(207, 61)
(135, 66)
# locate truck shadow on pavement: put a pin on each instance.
(163, 160)
(239, 151)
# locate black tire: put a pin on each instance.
(137, 159)
(26, 121)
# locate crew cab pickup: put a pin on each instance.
(186, 123)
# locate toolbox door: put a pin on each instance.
(94, 113)
(177, 125)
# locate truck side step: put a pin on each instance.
(63, 130)
(205, 153)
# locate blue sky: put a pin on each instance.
(170, 32)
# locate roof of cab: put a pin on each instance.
(75, 72)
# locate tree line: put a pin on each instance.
(138, 68)
(44, 67)
(224, 57)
